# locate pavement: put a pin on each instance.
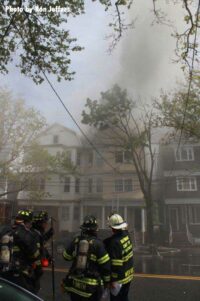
(145, 287)
(171, 279)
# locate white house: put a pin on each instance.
(63, 193)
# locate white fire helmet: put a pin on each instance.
(115, 221)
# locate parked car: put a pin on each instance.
(12, 292)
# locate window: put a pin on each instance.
(122, 157)
(123, 185)
(184, 153)
(55, 139)
(119, 185)
(128, 185)
(99, 185)
(127, 157)
(67, 184)
(65, 214)
(77, 185)
(78, 158)
(186, 184)
(90, 183)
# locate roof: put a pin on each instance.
(62, 127)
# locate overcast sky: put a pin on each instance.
(142, 63)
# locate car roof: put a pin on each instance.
(21, 289)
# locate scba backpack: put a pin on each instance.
(82, 254)
(6, 249)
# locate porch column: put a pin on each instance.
(143, 224)
(125, 213)
(71, 216)
(103, 217)
(81, 213)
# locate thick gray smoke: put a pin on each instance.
(148, 50)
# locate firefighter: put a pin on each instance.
(120, 250)
(25, 254)
(90, 270)
(39, 226)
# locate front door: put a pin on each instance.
(174, 218)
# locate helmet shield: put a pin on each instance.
(24, 215)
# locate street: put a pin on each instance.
(145, 287)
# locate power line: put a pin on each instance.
(70, 114)
(74, 120)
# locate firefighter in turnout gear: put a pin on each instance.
(120, 250)
(90, 270)
(39, 225)
(25, 254)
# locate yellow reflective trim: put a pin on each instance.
(117, 262)
(127, 249)
(106, 278)
(16, 249)
(125, 245)
(67, 256)
(93, 257)
(126, 280)
(127, 257)
(123, 240)
(103, 259)
(76, 291)
(129, 272)
(114, 275)
(86, 280)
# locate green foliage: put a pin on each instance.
(122, 125)
(181, 111)
(38, 166)
(24, 163)
(112, 109)
(18, 123)
(36, 31)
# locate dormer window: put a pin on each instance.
(55, 139)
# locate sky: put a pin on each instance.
(141, 63)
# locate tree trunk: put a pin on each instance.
(150, 233)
